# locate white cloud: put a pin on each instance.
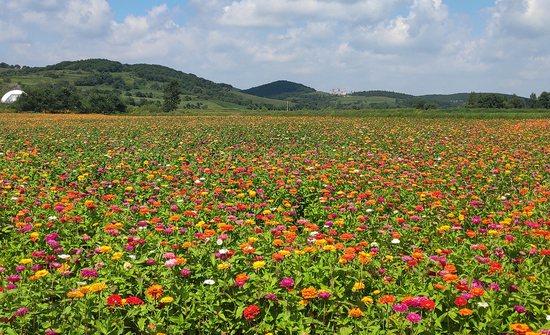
(520, 18)
(278, 13)
(416, 46)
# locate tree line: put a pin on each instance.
(493, 100)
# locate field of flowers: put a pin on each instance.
(273, 225)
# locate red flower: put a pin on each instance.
(251, 312)
(133, 300)
(427, 304)
(114, 300)
(461, 301)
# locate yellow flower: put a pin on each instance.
(34, 235)
(166, 300)
(104, 249)
(376, 292)
(25, 261)
(251, 193)
(116, 256)
(96, 287)
(367, 300)
(75, 294)
(224, 266)
(358, 286)
(258, 265)
(39, 274)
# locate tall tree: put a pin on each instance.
(532, 103)
(172, 92)
(544, 100)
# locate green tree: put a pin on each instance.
(104, 102)
(172, 92)
(544, 100)
(516, 102)
(532, 103)
(473, 100)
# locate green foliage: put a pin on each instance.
(100, 65)
(65, 97)
(172, 98)
(104, 102)
(50, 98)
(544, 100)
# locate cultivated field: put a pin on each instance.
(269, 224)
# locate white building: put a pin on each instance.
(12, 96)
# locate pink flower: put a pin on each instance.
(400, 308)
(287, 283)
(171, 263)
(414, 317)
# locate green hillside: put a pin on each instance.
(138, 84)
(281, 89)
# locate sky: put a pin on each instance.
(411, 46)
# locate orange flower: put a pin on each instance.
(355, 313)
(477, 291)
(520, 328)
(386, 299)
(309, 293)
(465, 312)
(154, 291)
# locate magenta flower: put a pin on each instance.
(21, 311)
(324, 295)
(88, 273)
(400, 308)
(520, 309)
(185, 272)
(414, 317)
(271, 297)
(287, 283)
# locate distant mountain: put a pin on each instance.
(280, 89)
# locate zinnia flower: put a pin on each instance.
(154, 291)
(251, 312)
(114, 300)
(309, 293)
(287, 283)
(355, 313)
(414, 317)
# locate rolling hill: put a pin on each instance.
(141, 86)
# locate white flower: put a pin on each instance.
(503, 198)
(223, 251)
(14, 198)
(132, 256)
(313, 233)
(209, 282)
(369, 210)
(64, 256)
(127, 265)
(52, 218)
(547, 317)
(483, 304)
(374, 244)
(219, 241)
(395, 241)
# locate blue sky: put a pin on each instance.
(412, 46)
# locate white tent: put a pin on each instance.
(12, 96)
